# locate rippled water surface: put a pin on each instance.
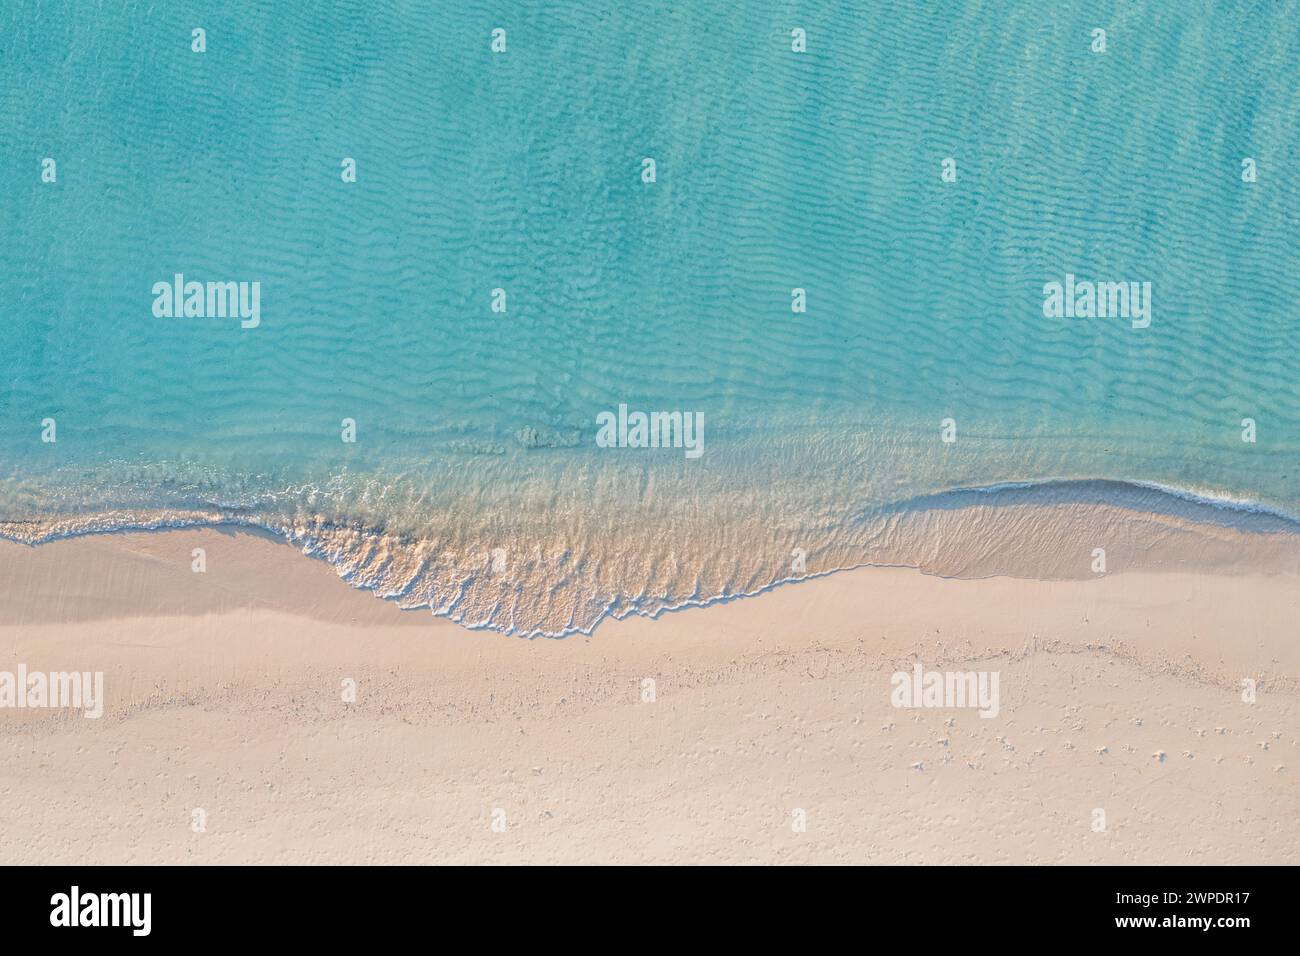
(475, 485)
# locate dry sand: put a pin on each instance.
(224, 694)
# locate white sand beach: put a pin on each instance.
(1119, 695)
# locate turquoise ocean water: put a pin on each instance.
(475, 486)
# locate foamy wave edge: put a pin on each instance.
(1235, 510)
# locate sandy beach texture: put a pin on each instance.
(226, 738)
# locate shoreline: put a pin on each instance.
(1040, 530)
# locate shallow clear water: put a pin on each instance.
(476, 430)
